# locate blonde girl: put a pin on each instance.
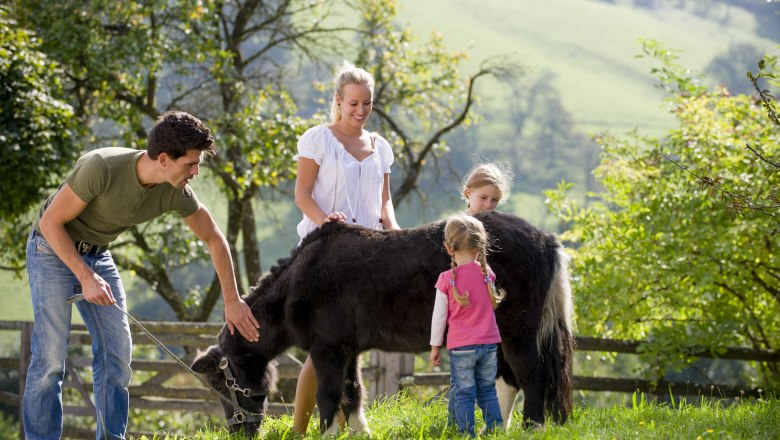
(486, 186)
(465, 299)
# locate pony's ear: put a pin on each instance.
(208, 360)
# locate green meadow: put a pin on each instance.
(404, 417)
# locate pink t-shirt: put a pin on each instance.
(475, 323)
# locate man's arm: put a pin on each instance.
(237, 312)
(65, 207)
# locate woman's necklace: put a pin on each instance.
(352, 143)
(358, 149)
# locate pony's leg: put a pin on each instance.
(330, 367)
(506, 388)
(533, 402)
(352, 405)
(506, 400)
(524, 369)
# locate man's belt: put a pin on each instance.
(85, 248)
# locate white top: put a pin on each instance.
(343, 183)
(439, 319)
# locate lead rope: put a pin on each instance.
(230, 381)
(381, 184)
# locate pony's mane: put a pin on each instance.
(323, 232)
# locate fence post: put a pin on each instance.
(25, 353)
(392, 367)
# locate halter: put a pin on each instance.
(240, 415)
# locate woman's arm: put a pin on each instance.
(388, 211)
(304, 187)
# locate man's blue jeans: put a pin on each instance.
(473, 379)
(51, 284)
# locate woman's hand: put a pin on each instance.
(335, 216)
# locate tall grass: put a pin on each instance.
(405, 417)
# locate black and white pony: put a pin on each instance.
(348, 289)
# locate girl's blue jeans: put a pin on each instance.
(51, 284)
(473, 379)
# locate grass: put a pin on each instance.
(404, 417)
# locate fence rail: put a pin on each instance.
(385, 374)
(630, 385)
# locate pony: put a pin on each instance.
(347, 289)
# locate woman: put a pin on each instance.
(343, 175)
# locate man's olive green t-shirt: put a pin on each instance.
(106, 180)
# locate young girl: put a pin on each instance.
(486, 186)
(465, 299)
(343, 175)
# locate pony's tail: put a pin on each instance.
(555, 341)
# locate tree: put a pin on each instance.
(420, 93)
(37, 132)
(659, 256)
(127, 62)
(766, 203)
(226, 62)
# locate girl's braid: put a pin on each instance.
(461, 299)
(496, 295)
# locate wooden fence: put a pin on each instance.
(385, 374)
(630, 385)
(381, 376)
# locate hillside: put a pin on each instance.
(587, 48)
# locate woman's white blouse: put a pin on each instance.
(343, 183)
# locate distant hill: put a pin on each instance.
(581, 76)
(587, 48)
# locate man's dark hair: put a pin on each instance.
(176, 132)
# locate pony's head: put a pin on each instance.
(245, 397)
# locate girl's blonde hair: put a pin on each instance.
(347, 74)
(465, 233)
(489, 173)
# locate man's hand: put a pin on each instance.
(237, 312)
(239, 316)
(96, 290)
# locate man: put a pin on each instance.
(108, 191)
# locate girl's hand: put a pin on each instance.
(435, 356)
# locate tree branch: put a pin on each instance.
(738, 202)
(416, 164)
